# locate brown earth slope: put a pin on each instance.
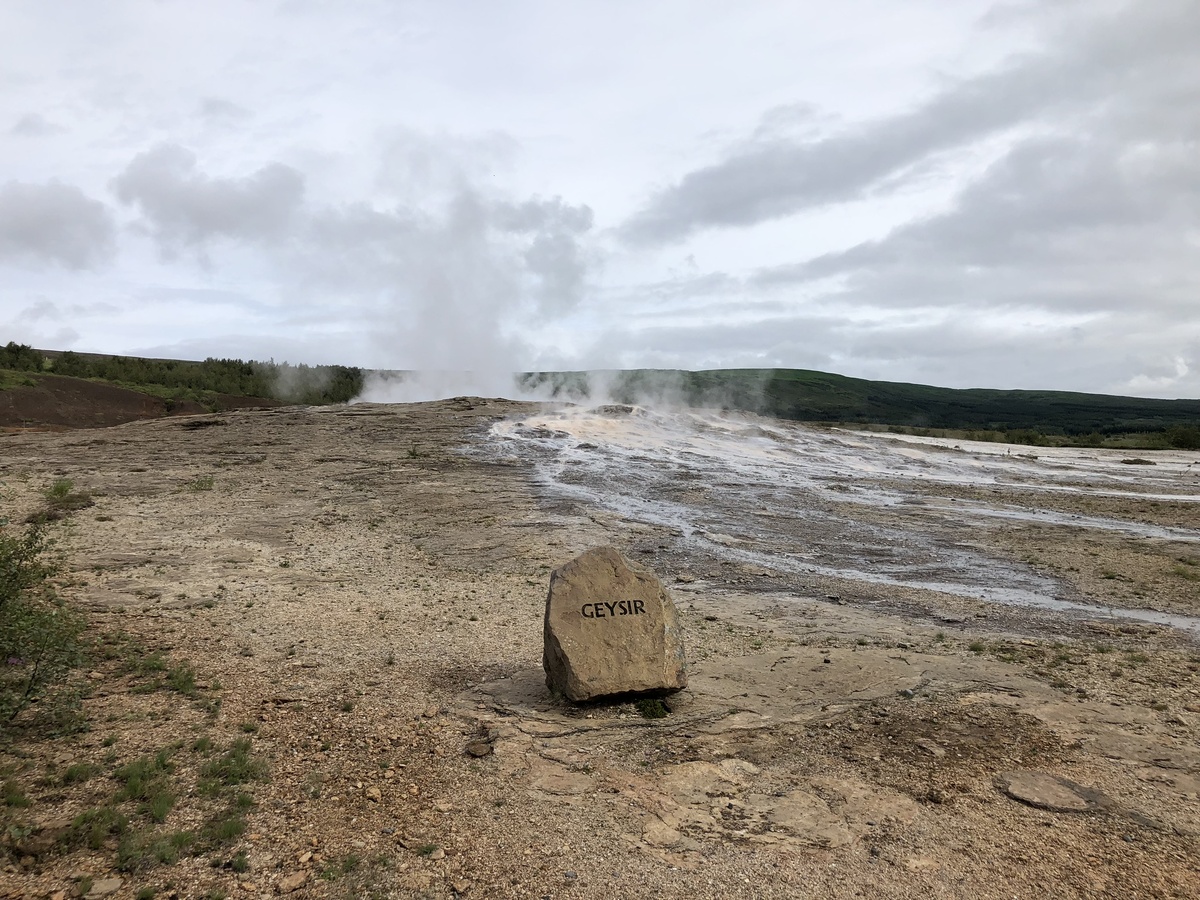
(325, 626)
(56, 402)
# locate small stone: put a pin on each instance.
(931, 748)
(479, 748)
(460, 887)
(293, 882)
(102, 887)
(305, 857)
(373, 794)
(439, 853)
(1177, 719)
(431, 711)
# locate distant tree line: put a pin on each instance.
(192, 380)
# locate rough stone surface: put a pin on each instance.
(1045, 791)
(610, 629)
(103, 887)
(293, 882)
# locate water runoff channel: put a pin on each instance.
(805, 501)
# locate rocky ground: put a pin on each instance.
(317, 672)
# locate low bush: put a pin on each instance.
(39, 635)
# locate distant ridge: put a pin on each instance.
(812, 396)
(799, 394)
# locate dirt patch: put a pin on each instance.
(56, 402)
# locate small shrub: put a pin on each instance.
(182, 678)
(39, 636)
(150, 664)
(1184, 437)
(59, 489)
(160, 805)
(94, 827)
(13, 795)
(652, 708)
(61, 500)
(233, 767)
(139, 851)
(203, 483)
(1186, 572)
(224, 829)
(79, 773)
(142, 779)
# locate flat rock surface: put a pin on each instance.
(359, 596)
(1045, 791)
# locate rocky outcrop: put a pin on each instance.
(610, 629)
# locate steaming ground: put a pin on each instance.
(859, 511)
(880, 654)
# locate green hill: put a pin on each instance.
(805, 395)
(1020, 416)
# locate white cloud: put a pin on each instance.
(975, 193)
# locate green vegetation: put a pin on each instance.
(175, 380)
(61, 500)
(12, 795)
(651, 708)
(151, 785)
(39, 635)
(79, 773)
(1039, 418)
(233, 767)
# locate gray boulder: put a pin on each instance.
(611, 629)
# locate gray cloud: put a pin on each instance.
(185, 208)
(54, 223)
(1065, 223)
(219, 110)
(1122, 60)
(555, 257)
(35, 125)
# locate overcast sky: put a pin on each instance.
(969, 194)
